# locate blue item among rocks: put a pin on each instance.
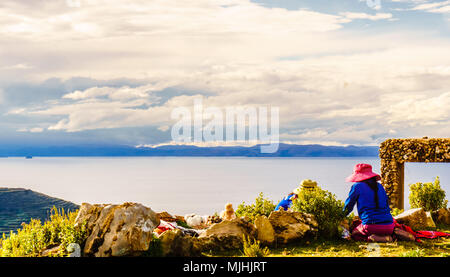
(286, 203)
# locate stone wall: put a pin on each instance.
(395, 152)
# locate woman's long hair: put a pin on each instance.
(373, 184)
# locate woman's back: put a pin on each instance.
(373, 205)
(368, 210)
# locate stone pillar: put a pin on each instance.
(392, 177)
(394, 153)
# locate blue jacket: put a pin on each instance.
(285, 203)
(363, 195)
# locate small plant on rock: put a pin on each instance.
(254, 249)
(429, 196)
(262, 206)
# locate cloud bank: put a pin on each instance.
(334, 81)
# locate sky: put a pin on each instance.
(111, 71)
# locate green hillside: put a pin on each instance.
(20, 205)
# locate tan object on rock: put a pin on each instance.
(228, 213)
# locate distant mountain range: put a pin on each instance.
(284, 150)
(20, 205)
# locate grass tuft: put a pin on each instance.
(254, 249)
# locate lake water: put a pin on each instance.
(182, 185)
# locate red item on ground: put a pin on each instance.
(407, 229)
(431, 234)
(421, 234)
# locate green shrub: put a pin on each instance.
(183, 224)
(429, 196)
(396, 211)
(324, 206)
(253, 248)
(35, 237)
(350, 218)
(262, 206)
(155, 248)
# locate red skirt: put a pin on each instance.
(362, 232)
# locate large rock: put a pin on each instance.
(265, 231)
(74, 250)
(442, 216)
(416, 219)
(226, 235)
(293, 226)
(175, 244)
(89, 214)
(117, 230)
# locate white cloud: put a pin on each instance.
(377, 92)
(20, 66)
(73, 3)
(433, 7)
(421, 110)
(110, 39)
(117, 93)
(341, 86)
(373, 4)
(36, 130)
(159, 17)
(377, 16)
(31, 130)
(410, 1)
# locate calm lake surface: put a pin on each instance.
(182, 185)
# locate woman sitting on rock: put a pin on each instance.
(377, 223)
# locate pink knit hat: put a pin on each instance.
(362, 172)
